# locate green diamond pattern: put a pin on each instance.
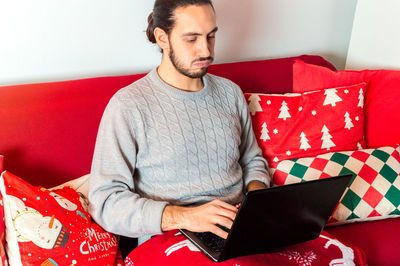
(298, 170)
(393, 195)
(351, 200)
(353, 216)
(395, 212)
(388, 173)
(381, 155)
(340, 158)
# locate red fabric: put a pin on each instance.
(302, 125)
(3, 257)
(383, 88)
(48, 130)
(172, 248)
(1, 163)
(272, 76)
(380, 240)
(52, 227)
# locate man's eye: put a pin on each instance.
(191, 40)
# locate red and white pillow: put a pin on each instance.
(373, 194)
(306, 124)
(46, 227)
(382, 124)
(172, 248)
(3, 257)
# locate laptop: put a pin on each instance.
(275, 217)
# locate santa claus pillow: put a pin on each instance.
(297, 125)
(47, 228)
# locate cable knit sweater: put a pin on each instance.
(158, 145)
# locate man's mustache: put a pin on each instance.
(209, 58)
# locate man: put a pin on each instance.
(176, 148)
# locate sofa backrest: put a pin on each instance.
(48, 130)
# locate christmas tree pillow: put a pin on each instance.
(297, 125)
(382, 127)
(373, 194)
(51, 227)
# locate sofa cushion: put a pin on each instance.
(373, 194)
(306, 124)
(3, 257)
(265, 76)
(379, 239)
(172, 248)
(382, 127)
(51, 227)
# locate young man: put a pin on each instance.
(175, 149)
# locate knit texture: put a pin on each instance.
(158, 145)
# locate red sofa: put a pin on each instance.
(48, 133)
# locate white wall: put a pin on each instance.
(375, 41)
(49, 40)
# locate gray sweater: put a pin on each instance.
(158, 145)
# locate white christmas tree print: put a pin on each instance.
(347, 120)
(254, 105)
(327, 143)
(331, 97)
(361, 98)
(264, 132)
(284, 111)
(304, 142)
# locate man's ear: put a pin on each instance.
(161, 38)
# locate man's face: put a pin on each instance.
(192, 40)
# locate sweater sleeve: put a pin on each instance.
(254, 166)
(114, 205)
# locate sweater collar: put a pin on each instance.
(177, 93)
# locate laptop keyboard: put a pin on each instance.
(214, 242)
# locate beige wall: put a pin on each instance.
(375, 41)
(49, 40)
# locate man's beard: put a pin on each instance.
(184, 71)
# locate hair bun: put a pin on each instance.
(150, 28)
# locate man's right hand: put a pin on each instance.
(201, 218)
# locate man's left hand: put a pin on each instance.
(255, 185)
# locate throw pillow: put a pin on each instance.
(306, 124)
(80, 185)
(3, 257)
(51, 227)
(373, 194)
(172, 248)
(381, 126)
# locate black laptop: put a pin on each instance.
(275, 217)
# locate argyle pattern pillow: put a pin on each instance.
(373, 194)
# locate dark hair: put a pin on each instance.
(163, 15)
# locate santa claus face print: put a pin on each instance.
(66, 204)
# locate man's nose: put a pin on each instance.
(204, 49)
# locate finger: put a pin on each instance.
(224, 222)
(222, 212)
(225, 205)
(219, 232)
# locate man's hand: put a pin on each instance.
(201, 218)
(255, 185)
